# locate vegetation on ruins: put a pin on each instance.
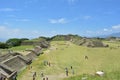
(3, 45)
(15, 41)
(44, 41)
(65, 37)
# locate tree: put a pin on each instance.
(13, 42)
(23, 39)
(3, 45)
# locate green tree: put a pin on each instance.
(22, 39)
(13, 42)
(3, 45)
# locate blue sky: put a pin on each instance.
(34, 18)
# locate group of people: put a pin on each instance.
(41, 75)
(45, 78)
(29, 67)
(67, 71)
(34, 75)
(47, 63)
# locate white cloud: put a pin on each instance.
(87, 17)
(62, 21)
(116, 27)
(105, 29)
(98, 32)
(89, 32)
(58, 21)
(71, 1)
(7, 9)
(53, 21)
(6, 23)
(35, 32)
(4, 29)
(112, 28)
(23, 20)
(6, 33)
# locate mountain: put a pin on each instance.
(110, 35)
(115, 34)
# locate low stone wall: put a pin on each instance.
(15, 63)
(90, 43)
(31, 55)
(27, 43)
(5, 56)
(12, 63)
(6, 72)
(43, 44)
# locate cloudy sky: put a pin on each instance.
(34, 18)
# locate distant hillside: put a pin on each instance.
(65, 37)
(110, 35)
(37, 41)
(81, 41)
(115, 34)
(90, 42)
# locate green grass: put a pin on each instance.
(61, 55)
(3, 51)
(21, 48)
(107, 76)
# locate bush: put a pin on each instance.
(13, 42)
(3, 45)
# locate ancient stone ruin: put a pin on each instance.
(90, 43)
(7, 73)
(13, 62)
(43, 44)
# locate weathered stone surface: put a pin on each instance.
(90, 43)
(11, 63)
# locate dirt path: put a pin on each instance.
(56, 77)
(59, 76)
(28, 75)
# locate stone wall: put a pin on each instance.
(90, 43)
(11, 63)
(43, 44)
(15, 63)
(5, 56)
(31, 55)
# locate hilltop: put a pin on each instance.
(62, 54)
(80, 55)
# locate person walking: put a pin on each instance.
(46, 78)
(66, 71)
(42, 75)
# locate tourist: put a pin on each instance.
(66, 70)
(42, 75)
(46, 78)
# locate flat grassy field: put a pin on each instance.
(21, 48)
(3, 51)
(64, 54)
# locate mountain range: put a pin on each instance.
(110, 35)
(101, 36)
